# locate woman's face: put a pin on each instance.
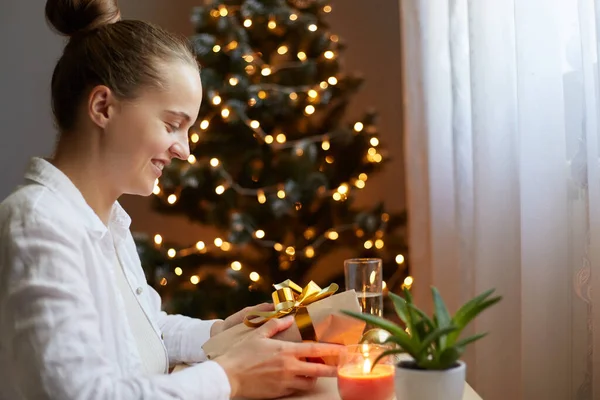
(143, 135)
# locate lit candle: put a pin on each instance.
(357, 380)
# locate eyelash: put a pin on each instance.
(171, 128)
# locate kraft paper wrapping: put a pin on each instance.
(331, 326)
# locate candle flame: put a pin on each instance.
(367, 366)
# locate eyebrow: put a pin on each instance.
(180, 114)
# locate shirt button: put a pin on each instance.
(139, 290)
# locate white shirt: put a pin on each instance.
(63, 327)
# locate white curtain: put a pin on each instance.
(501, 110)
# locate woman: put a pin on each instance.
(77, 319)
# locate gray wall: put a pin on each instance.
(29, 51)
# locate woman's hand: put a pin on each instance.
(238, 318)
(265, 368)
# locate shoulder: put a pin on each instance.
(32, 207)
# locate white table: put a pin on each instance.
(326, 389)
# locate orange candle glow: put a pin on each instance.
(360, 382)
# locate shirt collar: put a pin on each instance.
(46, 174)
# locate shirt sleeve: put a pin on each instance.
(183, 336)
(51, 330)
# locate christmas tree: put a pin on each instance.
(275, 163)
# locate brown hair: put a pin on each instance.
(124, 55)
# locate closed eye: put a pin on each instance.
(171, 128)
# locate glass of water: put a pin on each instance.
(364, 275)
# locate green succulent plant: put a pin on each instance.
(433, 342)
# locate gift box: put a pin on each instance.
(317, 315)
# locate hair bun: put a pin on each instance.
(72, 16)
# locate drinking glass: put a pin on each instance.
(364, 275)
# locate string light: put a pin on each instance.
(294, 96)
(236, 266)
(368, 244)
(172, 253)
(218, 242)
(310, 109)
(327, 9)
(312, 27)
(247, 23)
(282, 50)
(178, 271)
(254, 276)
(216, 100)
(281, 194)
(158, 239)
(325, 145)
(374, 142)
(216, 48)
(302, 56)
(272, 24)
(399, 259)
(329, 54)
(332, 80)
(262, 199)
(195, 279)
(192, 159)
(255, 124)
(268, 139)
(408, 282)
(172, 199)
(358, 126)
(334, 38)
(337, 196)
(309, 252)
(204, 125)
(329, 159)
(293, 17)
(265, 71)
(363, 177)
(225, 113)
(226, 246)
(333, 235)
(343, 189)
(223, 11)
(359, 184)
(372, 151)
(379, 244)
(290, 251)
(259, 234)
(163, 282)
(220, 189)
(233, 81)
(156, 190)
(195, 138)
(323, 85)
(281, 138)
(313, 94)
(248, 58)
(214, 162)
(278, 246)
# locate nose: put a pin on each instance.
(181, 148)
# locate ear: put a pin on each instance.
(101, 105)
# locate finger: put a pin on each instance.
(262, 307)
(313, 370)
(274, 326)
(313, 350)
(303, 383)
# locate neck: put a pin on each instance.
(82, 164)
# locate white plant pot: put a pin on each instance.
(415, 384)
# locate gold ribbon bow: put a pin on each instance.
(290, 298)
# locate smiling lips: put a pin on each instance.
(159, 165)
